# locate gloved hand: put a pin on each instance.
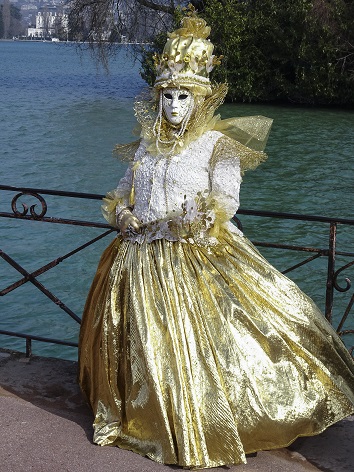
(127, 222)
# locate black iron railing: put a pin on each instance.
(38, 212)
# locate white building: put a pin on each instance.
(51, 22)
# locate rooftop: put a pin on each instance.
(46, 426)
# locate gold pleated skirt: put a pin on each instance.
(197, 356)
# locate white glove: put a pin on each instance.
(127, 222)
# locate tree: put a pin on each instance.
(299, 51)
(104, 23)
(6, 18)
(46, 21)
(132, 20)
(10, 20)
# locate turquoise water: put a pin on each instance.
(60, 119)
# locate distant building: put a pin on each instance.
(51, 22)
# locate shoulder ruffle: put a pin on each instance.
(227, 148)
(126, 152)
(251, 131)
(243, 137)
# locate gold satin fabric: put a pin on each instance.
(195, 356)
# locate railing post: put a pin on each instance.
(28, 347)
(330, 271)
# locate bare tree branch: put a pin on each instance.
(158, 6)
(128, 20)
(102, 24)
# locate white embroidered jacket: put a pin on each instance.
(182, 197)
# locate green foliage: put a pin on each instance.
(300, 51)
(288, 51)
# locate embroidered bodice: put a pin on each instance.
(185, 196)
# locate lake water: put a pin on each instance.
(60, 119)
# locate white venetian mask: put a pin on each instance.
(176, 104)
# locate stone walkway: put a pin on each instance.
(46, 426)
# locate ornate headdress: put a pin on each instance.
(187, 58)
(186, 61)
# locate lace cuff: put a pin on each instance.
(113, 203)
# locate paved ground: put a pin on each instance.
(46, 426)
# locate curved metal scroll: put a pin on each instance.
(347, 280)
(32, 208)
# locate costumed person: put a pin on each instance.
(193, 349)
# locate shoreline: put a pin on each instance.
(40, 40)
